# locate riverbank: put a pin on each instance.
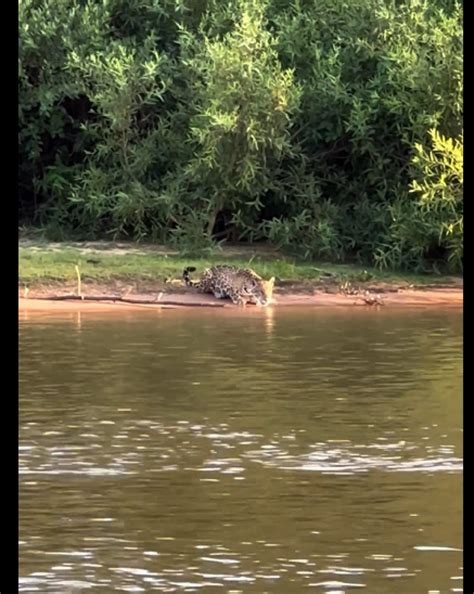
(403, 298)
(126, 276)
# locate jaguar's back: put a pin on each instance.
(242, 285)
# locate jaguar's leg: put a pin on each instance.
(238, 300)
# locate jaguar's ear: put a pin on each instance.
(271, 282)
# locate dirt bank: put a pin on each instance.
(116, 297)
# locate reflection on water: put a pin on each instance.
(267, 451)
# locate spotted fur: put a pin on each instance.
(241, 285)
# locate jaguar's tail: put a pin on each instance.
(186, 277)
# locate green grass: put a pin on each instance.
(41, 263)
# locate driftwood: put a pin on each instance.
(121, 299)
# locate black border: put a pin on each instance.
(10, 40)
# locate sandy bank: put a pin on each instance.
(430, 297)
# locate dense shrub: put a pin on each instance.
(420, 228)
(333, 128)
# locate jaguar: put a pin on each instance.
(241, 285)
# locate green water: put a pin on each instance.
(282, 452)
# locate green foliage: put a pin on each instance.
(311, 233)
(302, 123)
(375, 77)
(433, 222)
(239, 130)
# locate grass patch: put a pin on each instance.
(41, 263)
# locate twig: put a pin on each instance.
(79, 292)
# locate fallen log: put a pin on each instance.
(121, 299)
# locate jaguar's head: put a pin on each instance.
(262, 291)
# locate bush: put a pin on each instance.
(375, 77)
(429, 228)
(190, 122)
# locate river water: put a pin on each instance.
(258, 451)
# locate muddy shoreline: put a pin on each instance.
(53, 297)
